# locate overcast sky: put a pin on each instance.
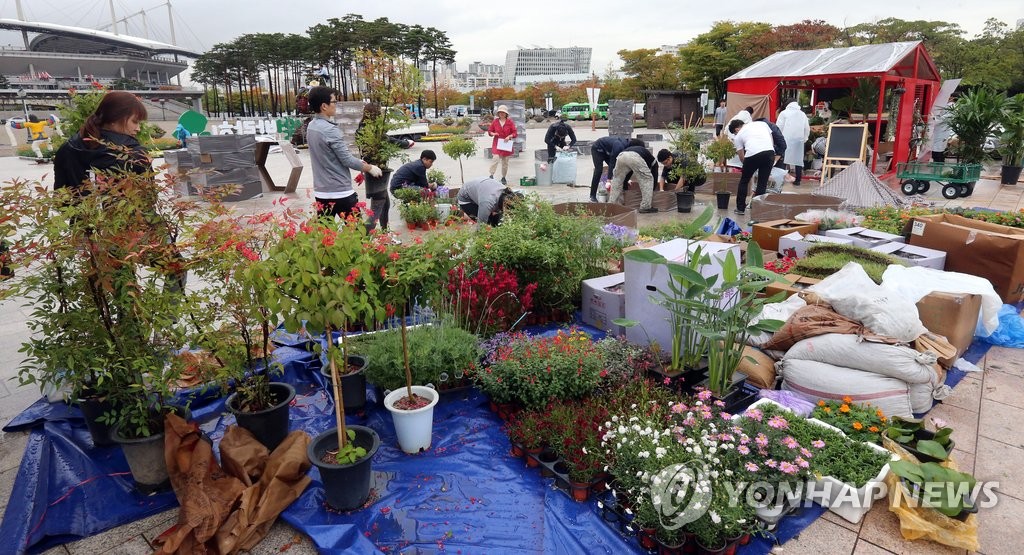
(484, 31)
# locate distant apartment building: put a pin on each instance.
(563, 65)
(670, 49)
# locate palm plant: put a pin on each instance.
(1012, 121)
(973, 118)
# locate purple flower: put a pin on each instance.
(818, 444)
(788, 467)
(770, 463)
(761, 440)
(789, 442)
(802, 463)
(778, 422)
(704, 394)
(805, 452)
(751, 467)
(743, 450)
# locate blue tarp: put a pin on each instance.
(467, 493)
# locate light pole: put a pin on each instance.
(163, 110)
(549, 102)
(22, 94)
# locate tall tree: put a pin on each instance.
(437, 49)
(646, 69)
(713, 56)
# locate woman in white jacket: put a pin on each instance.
(793, 123)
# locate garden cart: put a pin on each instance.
(957, 180)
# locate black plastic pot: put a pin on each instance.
(722, 197)
(1010, 175)
(684, 201)
(376, 185)
(269, 426)
(145, 455)
(346, 486)
(92, 408)
(921, 457)
(353, 384)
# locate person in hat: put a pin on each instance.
(483, 200)
(502, 128)
(555, 138)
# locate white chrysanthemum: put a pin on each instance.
(714, 517)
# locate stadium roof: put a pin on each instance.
(100, 36)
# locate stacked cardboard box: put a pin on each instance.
(796, 244)
(767, 234)
(914, 256)
(864, 237)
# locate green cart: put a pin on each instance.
(957, 180)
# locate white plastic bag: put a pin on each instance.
(564, 168)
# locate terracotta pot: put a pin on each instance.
(580, 491)
(646, 539)
(517, 451)
(531, 457)
(411, 226)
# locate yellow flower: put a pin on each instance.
(873, 429)
(858, 426)
(847, 399)
(844, 408)
(821, 403)
(880, 414)
(828, 409)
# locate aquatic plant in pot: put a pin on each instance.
(408, 272)
(684, 300)
(104, 270)
(323, 272)
(933, 486)
(239, 339)
(925, 445)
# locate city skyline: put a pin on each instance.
(479, 37)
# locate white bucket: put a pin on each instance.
(443, 211)
(413, 427)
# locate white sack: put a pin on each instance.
(894, 361)
(916, 282)
(817, 381)
(923, 396)
(850, 278)
(774, 311)
(883, 312)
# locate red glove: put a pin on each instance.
(359, 178)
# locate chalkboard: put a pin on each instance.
(846, 141)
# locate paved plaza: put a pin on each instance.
(985, 409)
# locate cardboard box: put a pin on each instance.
(776, 206)
(611, 213)
(864, 237)
(799, 244)
(914, 256)
(953, 315)
(796, 283)
(645, 281)
(992, 251)
(604, 300)
(767, 233)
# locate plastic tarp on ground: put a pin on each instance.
(861, 189)
(467, 493)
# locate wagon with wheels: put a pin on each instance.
(956, 180)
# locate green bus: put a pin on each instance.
(581, 111)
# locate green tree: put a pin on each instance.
(645, 69)
(713, 56)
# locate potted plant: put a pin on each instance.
(105, 270)
(973, 119)
(409, 272)
(534, 370)
(719, 151)
(239, 341)
(439, 354)
(460, 147)
(324, 276)
(859, 422)
(933, 486)
(925, 445)
(685, 301)
(486, 300)
(1012, 121)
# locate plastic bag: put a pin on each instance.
(564, 168)
(729, 227)
(790, 400)
(916, 282)
(922, 523)
(1010, 332)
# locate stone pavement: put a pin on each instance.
(985, 409)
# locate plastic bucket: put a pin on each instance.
(543, 172)
(414, 428)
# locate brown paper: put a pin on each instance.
(226, 511)
(814, 320)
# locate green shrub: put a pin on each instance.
(436, 354)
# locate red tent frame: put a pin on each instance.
(915, 73)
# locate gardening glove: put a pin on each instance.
(375, 171)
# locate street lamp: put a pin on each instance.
(549, 102)
(22, 94)
(163, 110)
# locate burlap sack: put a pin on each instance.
(814, 320)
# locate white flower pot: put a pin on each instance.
(443, 211)
(413, 427)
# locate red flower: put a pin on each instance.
(353, 275)
(394, 256)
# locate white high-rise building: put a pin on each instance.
(565, 65)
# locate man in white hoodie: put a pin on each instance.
(795, 128)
